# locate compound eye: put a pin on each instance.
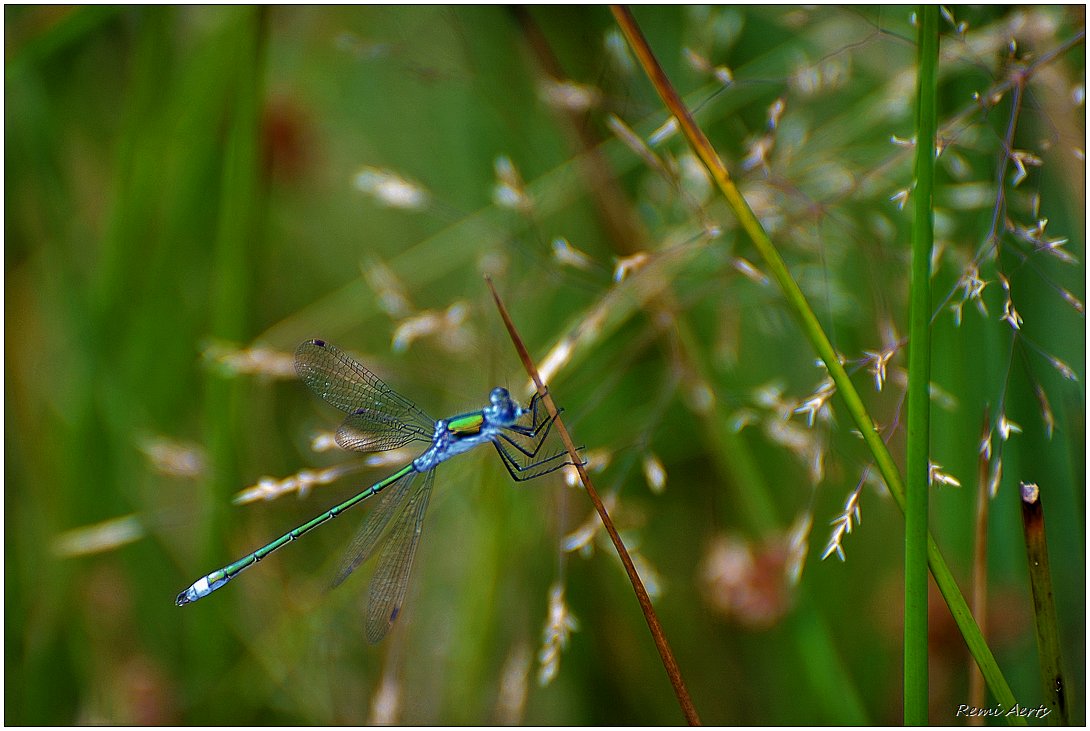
(499, 396)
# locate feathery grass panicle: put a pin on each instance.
(798, 546)
(390, 189)
(256, 360)
(109, 535)
(560, 623)
(581, 538)
(1047, 417)
(568, 255)
(700, 63)
(817, 405)
(1010, 315)
(842, 525)
(643, 276)
(618, 52)
(514, 686)
(1007, 427)
(972, 288)
(1064, 369)
(323, 441)
(393, 296)
(654, 472)
(597, 460)
(636, 145)
(627, 264)
(173, 457)
(664, 132)
(386, 703)
(509, 191)
(995, 476)
(750, 271)
(569, 95)
(936, 476)
(450, 328)
(652, 578)
(270, 488)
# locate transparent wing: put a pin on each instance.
(346, 384)
(369, 431)
(391, 502)
(391, 578)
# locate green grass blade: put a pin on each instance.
(919, 375)
(233, 265)
(815, 334)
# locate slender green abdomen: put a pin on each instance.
(208, 584)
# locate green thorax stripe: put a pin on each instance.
(468, 424)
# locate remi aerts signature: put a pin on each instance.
(1040, 711)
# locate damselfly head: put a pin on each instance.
(503, 408)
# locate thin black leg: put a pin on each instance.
(538, 440)
(521, 473)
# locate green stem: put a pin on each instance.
(811, 328)
(980, 566)
(919, 375)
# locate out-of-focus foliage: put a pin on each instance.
(190, 192)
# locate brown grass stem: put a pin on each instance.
(653, 624)
(1044, 604)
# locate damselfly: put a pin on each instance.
(379, 419)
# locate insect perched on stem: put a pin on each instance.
(380, 419)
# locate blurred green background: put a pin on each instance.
(183, 186)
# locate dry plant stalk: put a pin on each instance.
(661, 643)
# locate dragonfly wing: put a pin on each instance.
(346, 384)
(391, 578)
(370, 431)
(374, 527)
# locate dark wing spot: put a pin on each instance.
(393, 614)
(319, 343)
